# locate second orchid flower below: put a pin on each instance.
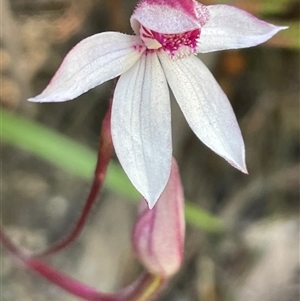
(158, 236)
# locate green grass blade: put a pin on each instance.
(79, 160)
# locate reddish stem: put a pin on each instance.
(9, 245)
(67, 283)
(104, 155)
(145, 288)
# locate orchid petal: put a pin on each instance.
(91, 62)
(141, 126)
(158, 235)
(205, 107)
(169, 17)
(231, 28)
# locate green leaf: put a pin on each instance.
(79, 160)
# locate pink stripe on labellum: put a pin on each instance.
(173, 42)
(176, 45)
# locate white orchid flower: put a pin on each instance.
(168, 34)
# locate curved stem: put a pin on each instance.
(9, 245)
(105, 151)
(145, 288)
(62, 280)
(104, 155)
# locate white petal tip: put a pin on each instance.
(49, 98)
(151, 203)
(40, 98)
(244, 170)
(282, 27)
(33, 99)
(241, 167)
(276, 29)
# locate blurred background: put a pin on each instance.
(254, 256)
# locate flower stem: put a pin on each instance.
(67, 283)
(145, 288)
(104, 155)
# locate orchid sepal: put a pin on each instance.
(90, 63)
(232, 28)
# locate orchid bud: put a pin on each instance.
(158, 236)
